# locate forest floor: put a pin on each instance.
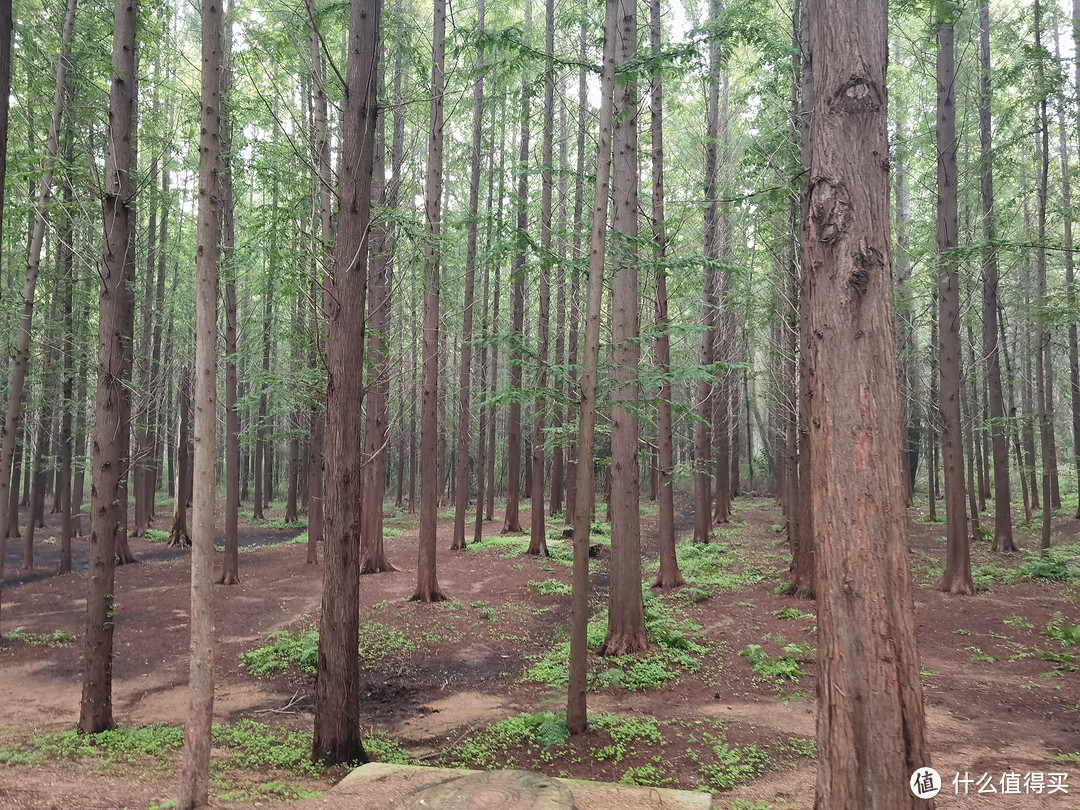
(722, 702)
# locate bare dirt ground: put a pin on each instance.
(440, 680)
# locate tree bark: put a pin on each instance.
(108, 496)
(427, 583)
(576, 716)
(1043, 371)
(337, 690)
(957, 576)
(195, 766)
(669, 576)
(1003, 533)
(626, 611)
(871, 728)
(461, 488)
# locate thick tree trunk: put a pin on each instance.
(427, 583)
(626, 612)
(576, 717)
(957, 576)
(108, 497)
(871, 728)
(336, 737)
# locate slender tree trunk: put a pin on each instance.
(67, 272)
(558, 455)
(576, 716)
(427, 583)
(1043, 371)
(1003, 533)
(461, 488)
(575, 283)
(626, 611)
(195, 767)
(1070, 277)
(957, 576)
(706, 390)
(871, 728)
(372, 551)
(108, 498)
(538, 539)
(1016, 431)
(724, 333)
(336, 737)
(511, 521)
(178, 536)
(230, 564)
(669, 576)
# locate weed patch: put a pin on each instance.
(57, 638)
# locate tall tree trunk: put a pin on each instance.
(195, 767)
(1016, 431)
(575, 283)
(511, 520)
(1070, 278)
(576, 716)
(372, 551)
(230, 564)
(1003, 533)
(178, 535)
(957, 576)
(108, 498)
(337, 690)
(427, 583)
(558, 454)
(626, 611)
(1044, 377)
(461, 488)
(142, 467)
(538, 539)
(724, 332)
(706, 390)
(489, 507)
(67, 272)
(669, 576)
(871, 728)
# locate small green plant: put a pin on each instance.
(156, 536)
(1014, 620)
(299, 540)
(1062, 630)
(550, 587)
(792, 613)
(281, 523)
(288, 649)
(961, 632)
(257, 746)
(802, 747)
(645, 775)
(485, 610)
(979, 654)
(1073, 759)
(770, 666)
(57, 638)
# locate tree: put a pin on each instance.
(871, 729)
(108, 494)
(461, 488)
(957, 576)
(706, 390)
(1003, 536)
(337, 690)
(195, 769)
(576, 717)
(626, 611)
(669, 575)
(427, 582)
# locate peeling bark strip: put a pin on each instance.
(871, 729)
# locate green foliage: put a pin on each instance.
(381, 747)
(299, 540)
(550, 587)
(485, 610)
(978, 654)
(772, 666)
(802, 747)
(57, 638)
(1017, 621)
(281, 523)
(492, 747)
(1054, 567)
(257, 746)
(123, 744)
(792, 613)
(1062, 630)
(288, 649)
(156, 536)
(646, 776)
(725, 766)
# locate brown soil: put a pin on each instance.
(462, 669)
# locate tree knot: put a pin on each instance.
(857, 95)
(830, 208)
